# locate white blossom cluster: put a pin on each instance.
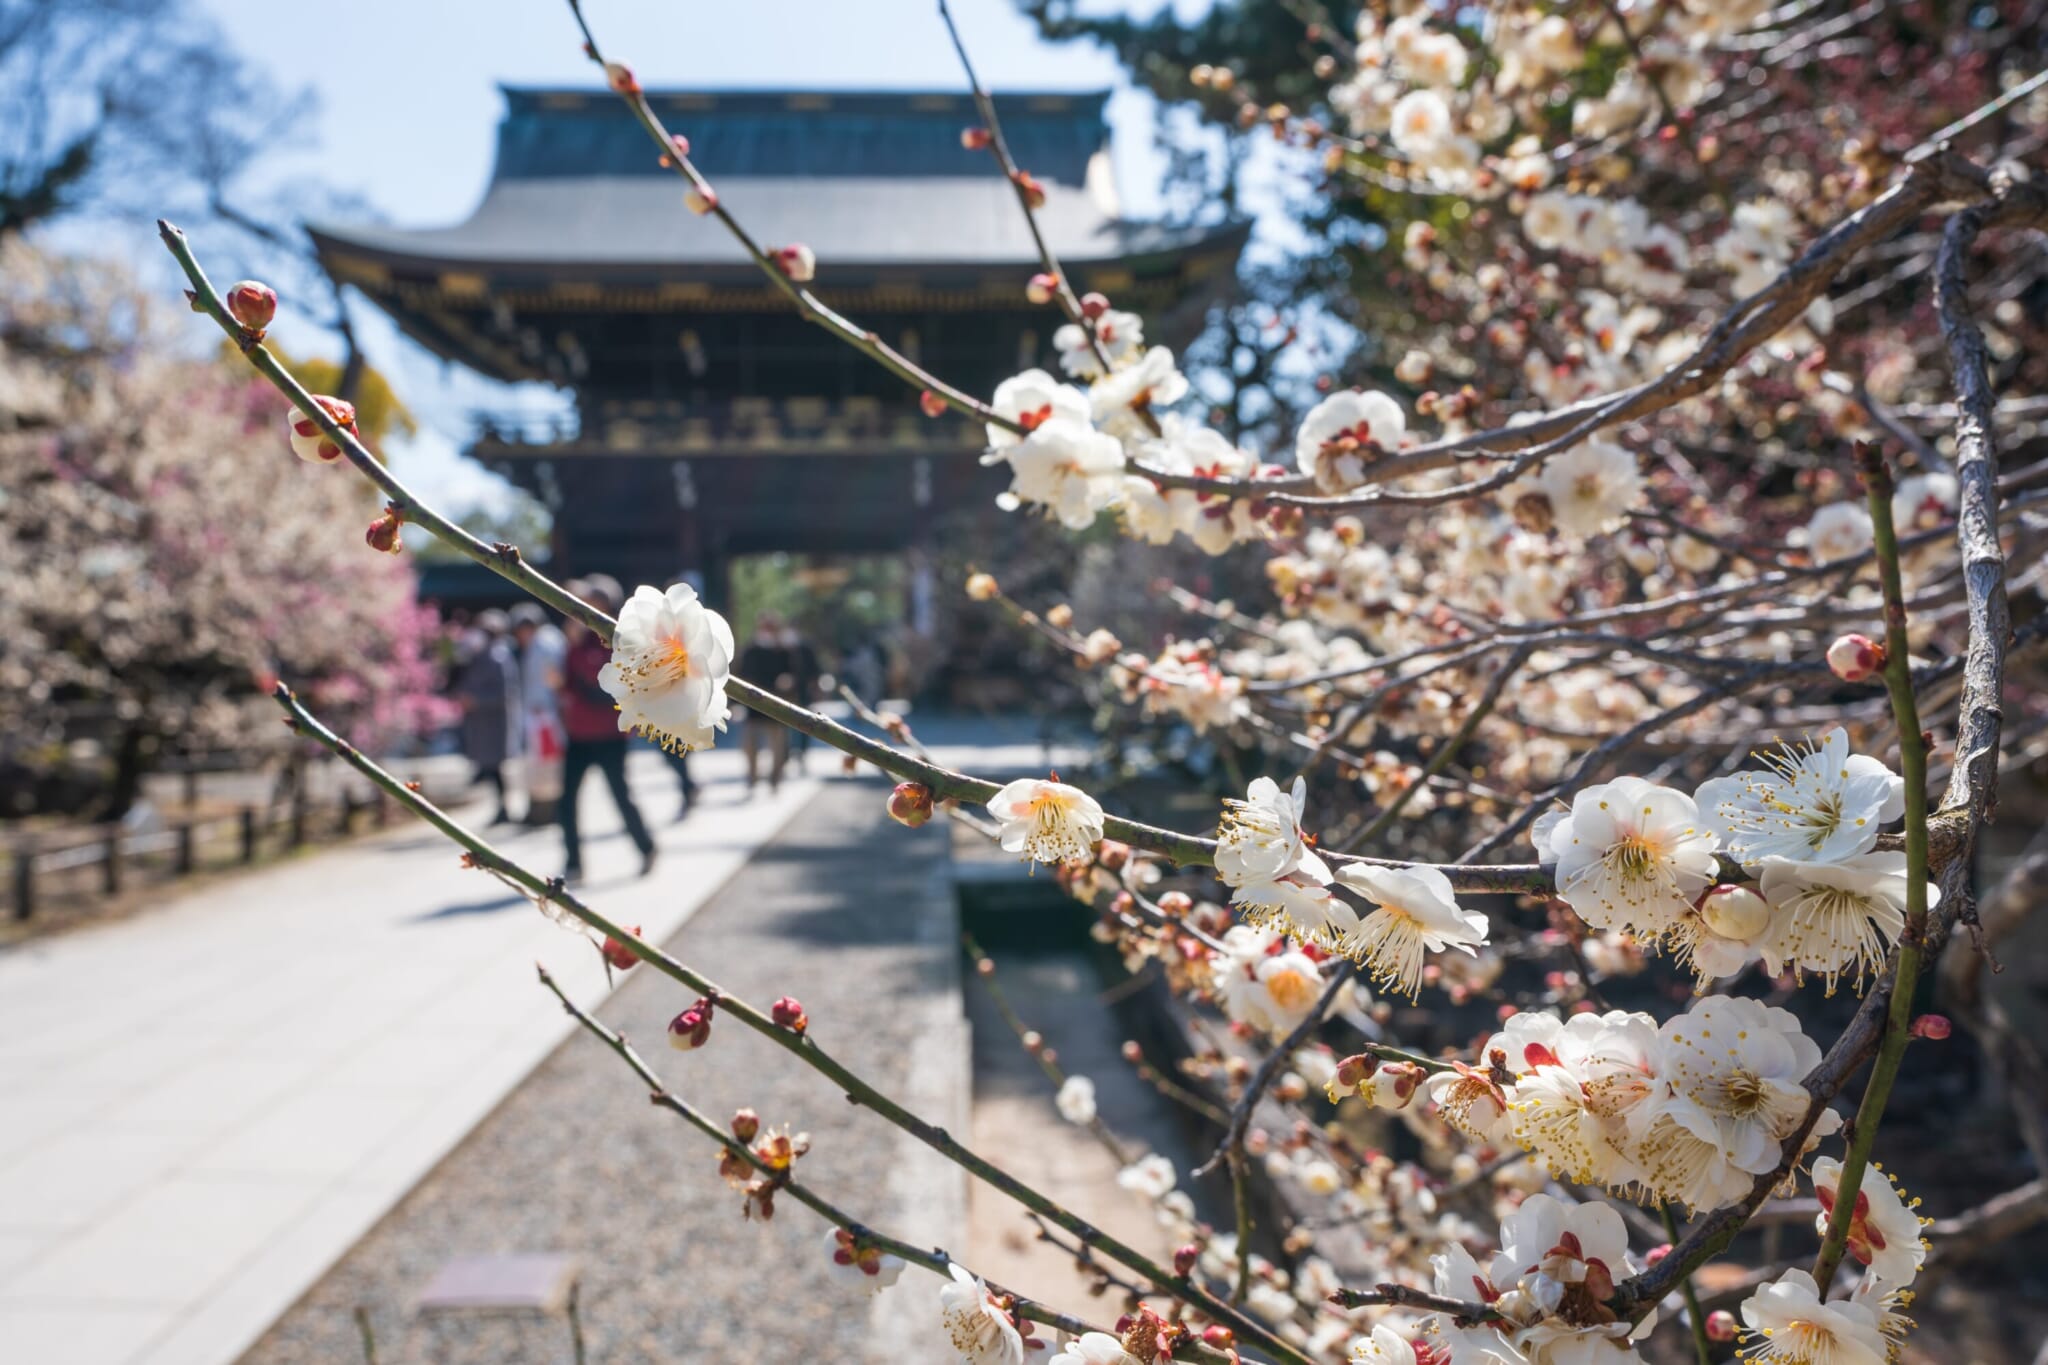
(1640, 859)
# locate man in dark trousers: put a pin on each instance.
(591, 721)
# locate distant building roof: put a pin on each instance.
(866, 179)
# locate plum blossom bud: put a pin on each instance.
(691, 1029)
(1185, 1259)
(383, 533)
(1933, 1027)
(1351, 1073)
(1032, 1040)
(1656, 1254)
(1094, 305)
(1415, 367)
(982, 587)
(932, 404)
(1219, 1337)
(1735, 912)
(621, 79)
(700, 199)
(1855, 658)
(1720, 1325)
(1175, 904)
(745, 1125)
(1041, 287)
(975, 139)
(1393, 1085)
(253, 304)
(910, 804)
(617, 955)
(1059, 615)
(787, 1013)
(1112, 854)
(1028, 188)
(309, 442)
(797, 261)
(1100, 646)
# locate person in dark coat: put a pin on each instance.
(591, 720)
(487, 689)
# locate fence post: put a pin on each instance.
(185, 853)
(248, 834)
(192, 786)
(24, 880)
(110, 864)
(348, 810)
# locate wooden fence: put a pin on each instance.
(119, 858)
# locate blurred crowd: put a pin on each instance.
(535, 721)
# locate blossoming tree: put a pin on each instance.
(1679, 509)
(157, 579)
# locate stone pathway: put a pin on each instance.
(209, 1103)
(854, 916)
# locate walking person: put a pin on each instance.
(542, 650)
(487, 689)
(769, 663)
(594, 738)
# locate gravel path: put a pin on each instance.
(853, 916)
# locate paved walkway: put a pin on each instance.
(854, 916)
(207, 1104)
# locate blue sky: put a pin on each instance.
(409, 102)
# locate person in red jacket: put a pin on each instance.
(591, 721)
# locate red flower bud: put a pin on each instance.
(1029, 189)
(691, 1029)
(1093, 305)
(618, 954)
(309, 442)
(253, 304)
(620, 78)
(1041, 287)
(1184, 1259)
(975, 139)
(1656, 1254)
(1132, 1052)
(746, 1124)
(1720, 1325)
(910, 804)
(797, 261)
(933, 405)
(1355, 1071)
(1219, 1336)
(1855, 658)
(1931, 1026)
(383, 533)
(787, 1013)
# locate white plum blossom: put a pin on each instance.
(1151, 1175)
(1094, 1348)
(1341, 437)
(1884, 1232)
(867, 1266)
(1786, 1323)
(1840, 530)
(1923, 502)
(1835, 918)
(1261, 837)
(1120, 334)
(1383, 1346)
(1072, 471)
(1076, 1100)
(1581, 1087)
(1591, 488)
(979, 1327)
(1733, 1068)
(1814, 803)
(1260, 982)
(1032, 399)
(1421, 124)
(1118, 399)
(1046, 820)
(1552, 1250)
(1418, 912)
(1632, 856)
(671, 659)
